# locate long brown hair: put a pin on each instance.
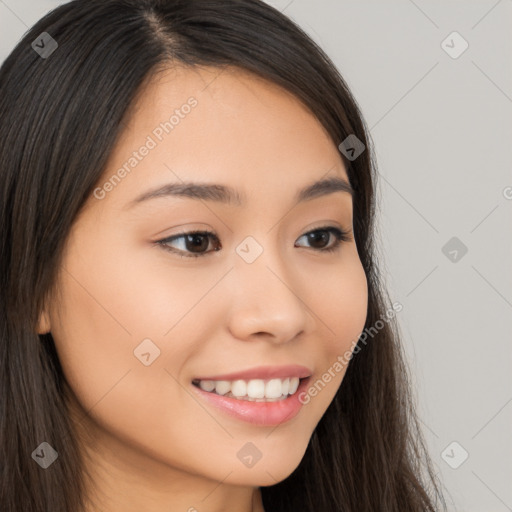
(61, 116)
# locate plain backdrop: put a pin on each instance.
(434, 82)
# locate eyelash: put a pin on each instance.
(340, 235)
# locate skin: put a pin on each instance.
(149, 444)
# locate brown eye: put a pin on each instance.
(319, 238)
(193, 244)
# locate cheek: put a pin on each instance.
(341, 310)
(113, 301)
(120, 294)
(94, 343)
(338, 298)
(98, 329)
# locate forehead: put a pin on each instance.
(224, 126)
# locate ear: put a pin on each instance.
(43, 325)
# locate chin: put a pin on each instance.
(267, 471)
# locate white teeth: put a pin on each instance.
(285, 386)
(294, 384)
(239, 388)
(273, 389)
(207, 385)
(222, 387)
(258, 390)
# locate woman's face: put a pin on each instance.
(137, 321)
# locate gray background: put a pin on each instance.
(442, 130)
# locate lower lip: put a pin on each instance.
(258, 413)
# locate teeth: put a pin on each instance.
(222, 387)
(274, 388)
(257, 390)
(239, 388)
(285, 386)
(294, 384)
(207, 385)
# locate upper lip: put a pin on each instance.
(264, 372)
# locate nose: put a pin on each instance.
(266, 300)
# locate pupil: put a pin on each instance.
(194, 238)
(322, 235)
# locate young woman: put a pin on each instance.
(192, 317)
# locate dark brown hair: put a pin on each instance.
(60, 119)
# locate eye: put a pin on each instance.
(193, 241)
(196, 243)
(320, 236)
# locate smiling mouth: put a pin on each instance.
(253, 390)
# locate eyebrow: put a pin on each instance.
(224, 194)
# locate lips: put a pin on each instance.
(261, 412)
(262, 372)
